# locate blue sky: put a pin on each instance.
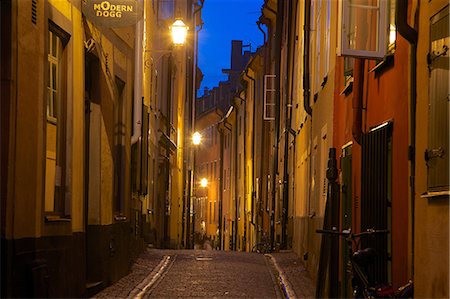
(224, 21)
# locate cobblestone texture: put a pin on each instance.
(144, 265)
(298, 277)
(214, 274)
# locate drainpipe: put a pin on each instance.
(290, 62)
(243, 101)
(279, 32)
(306, 38)
(357, 99)
(190, 206)
(253, 142)
(137, 109)
(235, 182)
(262, 30)
(411, 35)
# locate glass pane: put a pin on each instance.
(55, 104)
(53, 83)
(363, 26)
(49, 75)
(166, 9)
(49, 98)
(392, 29)
(54, 40)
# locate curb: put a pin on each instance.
(151, 279)
(284, 283)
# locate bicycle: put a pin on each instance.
(263, 247)
(359, 260)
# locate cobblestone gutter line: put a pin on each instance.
(284, 283)
(141, 289)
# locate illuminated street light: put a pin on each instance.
(179, 32)
(204, 182)
(196, 138)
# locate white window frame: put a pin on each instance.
(382, 31)
(266, 97)
(54, 86)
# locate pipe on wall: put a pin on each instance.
(137, 108)
(278, 41)
(411, 35)
(358, 88)
(306, 39)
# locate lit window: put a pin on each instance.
(364, 28)
(53, 86)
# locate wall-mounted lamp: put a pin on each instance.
(179, 32)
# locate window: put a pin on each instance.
(166, 9)
(269, 97)
(55, 171)
(364, 28)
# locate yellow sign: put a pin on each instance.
(112, 13)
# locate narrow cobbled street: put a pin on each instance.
(212, 274)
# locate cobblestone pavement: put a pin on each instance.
(146, 262)
(212, 274)
(298, 278)
(215, 274)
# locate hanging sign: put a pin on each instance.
(112, 13)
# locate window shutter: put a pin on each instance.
(437, 155)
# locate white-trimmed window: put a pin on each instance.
(54, 74)
(269, 97)
(56, 201)
(364, 28)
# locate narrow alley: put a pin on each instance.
(213, 274)
(225, 148)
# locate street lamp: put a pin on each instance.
(179, 32)
(196, 138)
(204, 182)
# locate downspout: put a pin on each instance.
(357, 99)
(306, 38)
(290, 61)
(253, 143)
(220, 183)
(137, 109)
(235, 182)
(263, 32)
(279, 32)
(194, 97)
(244, 245)
(411, 35)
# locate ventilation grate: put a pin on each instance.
(34, 11)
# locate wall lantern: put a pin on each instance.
(179, 32)
(196, 138)
(204, 182)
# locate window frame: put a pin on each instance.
(56, 117)
(382, 32)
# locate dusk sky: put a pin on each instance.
(224, 21)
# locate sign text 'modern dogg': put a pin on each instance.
(112, 13)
